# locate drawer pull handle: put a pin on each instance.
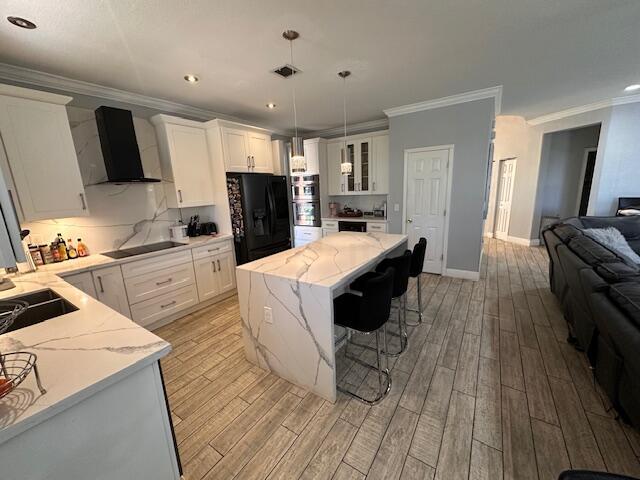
(219, 265)
(168, 280)
(168, 304)
(100, 283)
(213, 249)
(84, 204)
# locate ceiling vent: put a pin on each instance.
(286, 71)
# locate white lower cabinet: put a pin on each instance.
(111, 290)
(84, 282)
(215, 275)
(155, 309)
(376, 227)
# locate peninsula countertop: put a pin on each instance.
(329, 261)
(79, 353)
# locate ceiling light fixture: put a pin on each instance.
(271, 105)
(22, 23)
(191, 78)
(346, 167)
(298, 162)
(632, 88)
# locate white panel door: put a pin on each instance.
(427, 174)
(505, 194)
(236, 150)
(191, 166)
(260, 152)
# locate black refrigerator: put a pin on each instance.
(259, 215)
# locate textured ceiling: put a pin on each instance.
(549, 55)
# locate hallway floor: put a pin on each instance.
(487, 389)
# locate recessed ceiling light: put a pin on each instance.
(632, 88)
(22, 22)
(191, 78)
(271, 105)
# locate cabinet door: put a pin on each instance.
(380, 165)
(351, 180)
(42, 159)
(111, 290)
(84, 282)
(190, 165)
(260, 152)
(226, 274)
(236, 150)
(334, 177)
(206, 280)
(311, 158)
(363, 165)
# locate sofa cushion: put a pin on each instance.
(628, 226)
(611, 238)
(616, 272)
(627, 297)
(566, 232)
(591, 252)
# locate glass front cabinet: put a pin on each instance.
(359, 154)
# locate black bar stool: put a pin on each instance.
(366, 314)
(401, 267)
(417, 263)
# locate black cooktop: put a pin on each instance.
(131, 252)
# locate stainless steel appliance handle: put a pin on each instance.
(219, 268)
(272, 209)
(168, 280)
(100, 283)
(84, 204)
(173, 302)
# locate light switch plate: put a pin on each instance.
(268, 315)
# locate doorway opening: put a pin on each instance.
(506, 181)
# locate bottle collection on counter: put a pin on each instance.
(58, 251)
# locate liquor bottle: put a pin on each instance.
(71, 251)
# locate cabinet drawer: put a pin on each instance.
(376, 227)
(150, 311)
(212, 249)
(329, 231)
(330, 224)
(160, 282)
(308, 234)
(153, 264)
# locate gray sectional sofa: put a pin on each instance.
(599, 289)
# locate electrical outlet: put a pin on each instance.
(268, 315)
(396, 207)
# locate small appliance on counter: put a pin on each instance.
(192, 227)
(178, 233)
(333, 208)
(208, 228)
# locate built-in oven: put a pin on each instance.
(347, 226)
(305, 187)
(306, 213)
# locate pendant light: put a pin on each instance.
(345, 164)
(298, 162)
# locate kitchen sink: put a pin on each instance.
(43, 305)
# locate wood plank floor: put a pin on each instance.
(487, 389)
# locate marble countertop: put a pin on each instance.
(79, 265)
(365, 218)
(330, 261)
(79, 353)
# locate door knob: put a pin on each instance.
(409, 220)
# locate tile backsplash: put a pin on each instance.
(121, 216)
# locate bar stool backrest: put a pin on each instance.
(417, 257)
(401, 266)
(375, 306)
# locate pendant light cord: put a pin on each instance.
(344, 111)
(293, 89)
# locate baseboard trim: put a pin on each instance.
(465, 274)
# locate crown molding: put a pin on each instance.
(570, 112)
(381, 124)
(493, 92)
(28, 76)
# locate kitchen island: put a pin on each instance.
(286, 304)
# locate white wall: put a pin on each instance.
(468, 127)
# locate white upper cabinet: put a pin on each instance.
(246, 150)
(315, 150)
(40, 154)
(185, 162)
(369, 156)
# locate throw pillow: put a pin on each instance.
(612, 238)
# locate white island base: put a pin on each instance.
(286, 304)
